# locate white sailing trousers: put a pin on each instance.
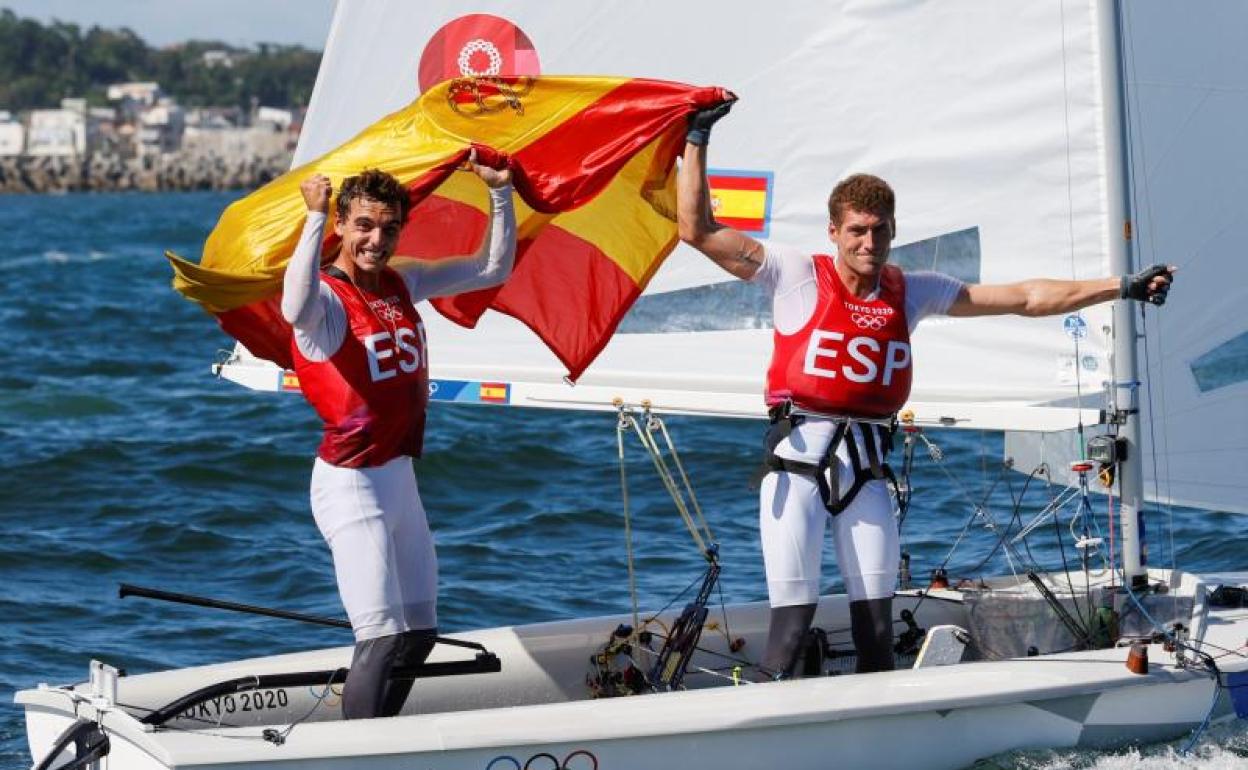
(792, 522)
(383, 551)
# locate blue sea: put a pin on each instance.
(127, 461)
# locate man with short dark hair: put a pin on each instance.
(862, 192)
(840, 370)
(360, 353)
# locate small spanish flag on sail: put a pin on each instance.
(741, 200)
(593, 164)
(494, 392)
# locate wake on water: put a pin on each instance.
(1222, 747)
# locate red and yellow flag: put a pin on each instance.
(739, 200)
(593, 164)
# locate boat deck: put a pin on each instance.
(541, 695)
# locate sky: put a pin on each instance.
(164, 22)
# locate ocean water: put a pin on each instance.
(126, 461)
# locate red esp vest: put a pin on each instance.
(373, 391)
(853, 357)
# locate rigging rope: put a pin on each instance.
(1211, 666)
(651, 425)
(681, 641)
(1070, 226)
(669, 481)
(621, 427)
(1016, 561)
(979, 510)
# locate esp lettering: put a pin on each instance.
(388, 355)
(865, 366)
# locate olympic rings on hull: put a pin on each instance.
(538, 762)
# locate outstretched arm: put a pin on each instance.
(489, 265)
(732, 250)
(1042, 296)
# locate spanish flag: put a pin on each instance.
(741, 200)
(593, 164)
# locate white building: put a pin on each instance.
(12, 135)
(275, 116)
(230, 142)
(210, 118)
(133, 98)
(73, 130)
(146, 94)
(57, 132)
(160, 128)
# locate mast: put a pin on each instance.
(1124, 393)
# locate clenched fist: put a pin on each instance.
(316, 190)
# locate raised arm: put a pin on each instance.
(301, 305)
(732, 250)
(1042, 296)
(489, 265)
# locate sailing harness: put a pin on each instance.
(867, 448)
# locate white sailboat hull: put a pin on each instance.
(537, 712)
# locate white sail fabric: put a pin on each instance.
(986, 117)
(1186, 72)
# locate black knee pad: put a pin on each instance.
(369, 677)
(785, 634)
(415, 646)
(371, 691)
(871, 622)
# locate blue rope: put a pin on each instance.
(1147, 617)
(1217, 680)
(1217, 690)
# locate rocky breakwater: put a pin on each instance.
(169, 171)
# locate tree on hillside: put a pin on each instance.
(40, 65)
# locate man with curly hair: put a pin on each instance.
(840, 370)
(360, 353)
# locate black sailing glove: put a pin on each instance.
(1136, 286)
(701, 121)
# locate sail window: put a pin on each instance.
(1224, 365)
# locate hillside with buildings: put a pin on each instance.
(100, 110)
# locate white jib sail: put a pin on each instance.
(1186, 74)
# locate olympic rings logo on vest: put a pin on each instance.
(873, 322)
(387, 309)
(584, 760)
(477, 45)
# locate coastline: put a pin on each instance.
(168, 172)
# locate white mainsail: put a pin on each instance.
(992, 137)
(994, 133)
